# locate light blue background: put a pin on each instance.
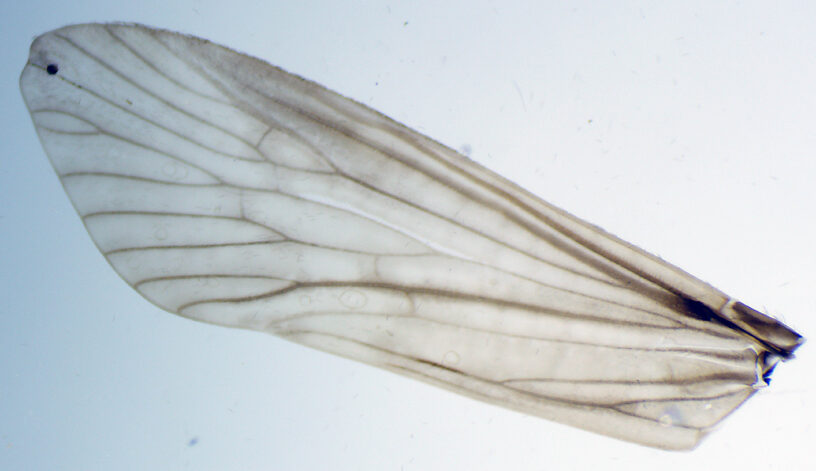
(687, 130)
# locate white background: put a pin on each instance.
(687, 130)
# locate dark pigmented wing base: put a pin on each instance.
(228, 191)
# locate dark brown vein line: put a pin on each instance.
(261, 139)
(481, 234)
(590, 406)
(298, 169)
(638, 286)
(412, 290)
(319, 121)
(557, 400)
(363, 216)
(201, 73)
(171, 156)
(151, 181)
(717, 421)
(627, 281)
(328, 247)
(718, 378)
(130, 141)
(593, 248)
(181, 215)
(251, 221)
(410, 137)
(56, 111)
(150, 93)
(35, 112)
(259, 190)
(679, 399)
(287, 240)
(278, 126)
(416, 141)
(157, 35)
(547, 285)
(673, 306)
(716, 354)
(148, 121)
(69, 133)
(532, 280)
(196, 246)
(404, 133)
(454, 222)
(158, 71)
(161, 279)
(536, 309)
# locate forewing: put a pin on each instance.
(226, 190)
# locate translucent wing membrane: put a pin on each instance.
(226, 190)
